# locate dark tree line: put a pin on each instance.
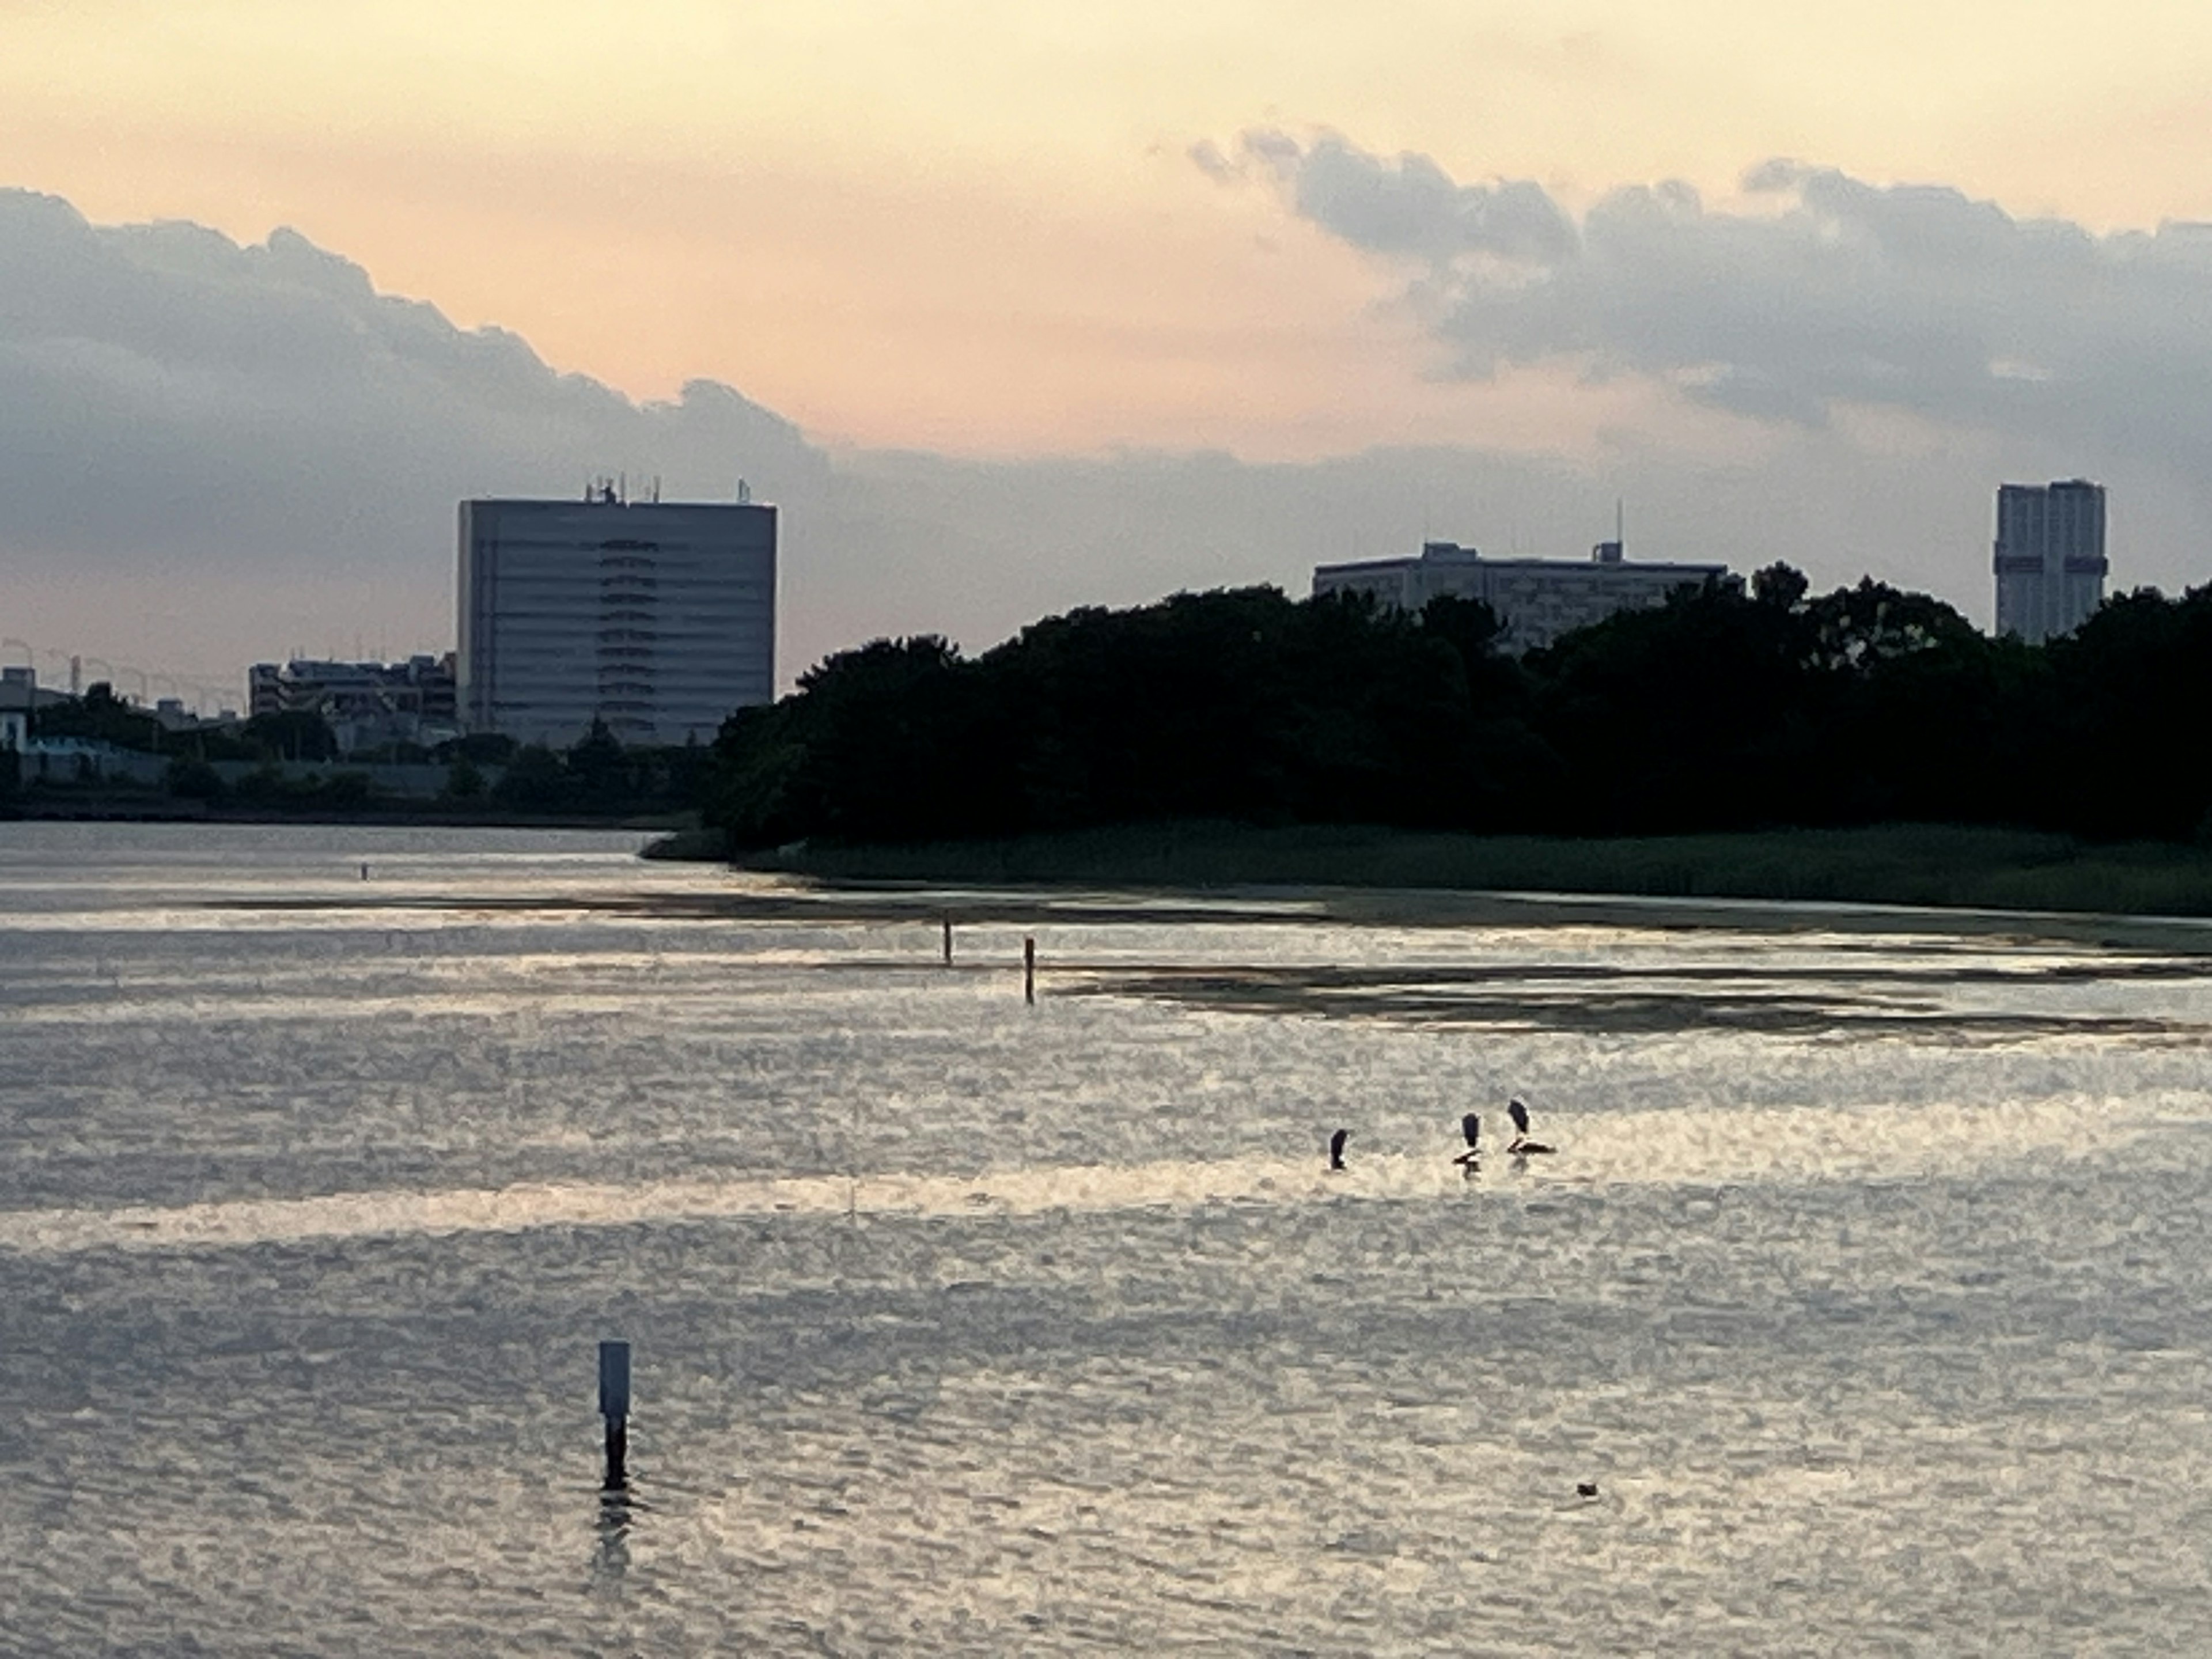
(1722, 710)
(596, 775)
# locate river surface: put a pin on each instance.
(1869, 1284)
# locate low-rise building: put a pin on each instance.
(19, 696)
(365, 704)
(1535, 600)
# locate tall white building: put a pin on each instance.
(657, 617)
(1535, 600)
(2050, 557)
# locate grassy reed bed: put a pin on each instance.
(1888, 864)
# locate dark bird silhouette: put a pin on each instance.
(1521, 1146)
(1336, 1148)
(1471, 1126)
(1586, 1489)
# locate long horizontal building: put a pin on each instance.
(658, 618)
(1535, 600)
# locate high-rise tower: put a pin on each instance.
(658, 618)
(2050, 557)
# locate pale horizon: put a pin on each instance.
(1029, 307)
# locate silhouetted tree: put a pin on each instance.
(1720, 709)
(535, 781)
(291, 734)
(2128, 720)
(599, 773)
(479, 748)
(99, 716)
(193, 780)
(464, 782)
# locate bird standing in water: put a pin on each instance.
(1470, 1159)
(1336, 1148)
(1521, 1146)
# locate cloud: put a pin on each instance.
(255, 437)
(1827, 291)
(212, 453)
(1409, 205)
(247, 392)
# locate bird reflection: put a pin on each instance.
(1470, 1161)
(1521, 1146)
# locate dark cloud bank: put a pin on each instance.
(1910, 297)
(211, 453)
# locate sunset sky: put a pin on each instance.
(1002, 237)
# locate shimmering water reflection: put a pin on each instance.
(964, 1325)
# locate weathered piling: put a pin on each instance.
(614, 1405)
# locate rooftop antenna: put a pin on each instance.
(1620, 525)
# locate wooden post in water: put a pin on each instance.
(948, 941)
(614, 1405)
(1028, 971)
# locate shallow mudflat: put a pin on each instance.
(1869, 1284)
(1961, 868)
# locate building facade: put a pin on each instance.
(365, 704)
(657, 617)
(19, 697)
(1535, 600)
(2049, 561)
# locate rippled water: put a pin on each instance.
(1869, 1284)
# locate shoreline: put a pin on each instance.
(165, 812)
(1997, 877)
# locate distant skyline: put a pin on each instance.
(1026, 306)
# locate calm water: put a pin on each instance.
(1871, 1283)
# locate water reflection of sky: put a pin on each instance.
(1868, 1284)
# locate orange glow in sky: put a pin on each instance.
(972, 226)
